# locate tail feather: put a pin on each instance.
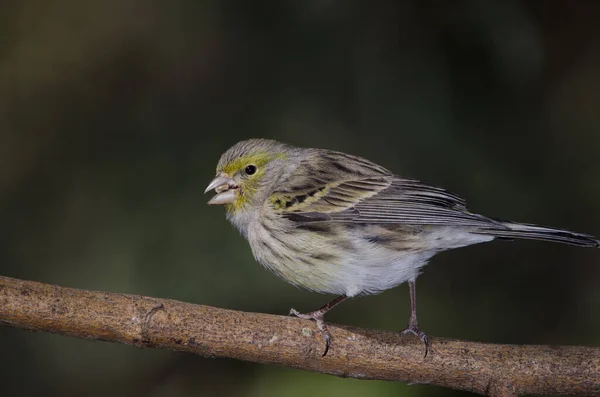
(533, 232)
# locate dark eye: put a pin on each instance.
(250, 170)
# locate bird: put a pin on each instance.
(339, 224)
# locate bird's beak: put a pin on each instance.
(225, 188)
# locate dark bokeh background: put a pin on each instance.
(113, 115)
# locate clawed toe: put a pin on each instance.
(317, 316)
(413, 329)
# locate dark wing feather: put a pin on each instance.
(386, 200)
(337, 187)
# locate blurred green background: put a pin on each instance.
(114, 113)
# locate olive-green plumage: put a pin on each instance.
(336, 223)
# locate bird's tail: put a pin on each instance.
(533, 232)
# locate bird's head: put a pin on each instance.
(248, 172)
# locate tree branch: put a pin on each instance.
(494, 370)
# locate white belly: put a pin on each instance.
(375, 269)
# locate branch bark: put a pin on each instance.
(488, 369)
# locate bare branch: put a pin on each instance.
(494, 370)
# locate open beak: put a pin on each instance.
(225, 188)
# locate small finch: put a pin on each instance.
(336, 223)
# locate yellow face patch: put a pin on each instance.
(249, 183)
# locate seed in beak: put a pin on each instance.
(220, 180)
(222, 188)
(225, 188)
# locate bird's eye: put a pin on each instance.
(250, 170)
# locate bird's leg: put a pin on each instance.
(413, 325)
(319, 316)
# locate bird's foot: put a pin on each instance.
(413, 328)
(318, 316)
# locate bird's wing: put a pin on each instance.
(382, 199)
